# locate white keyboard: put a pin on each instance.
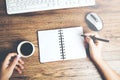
(24, 6)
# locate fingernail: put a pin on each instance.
(18, 57)
(22, 67)
(87, 37)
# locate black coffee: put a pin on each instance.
(26, 49)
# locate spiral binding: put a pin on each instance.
(62, 44)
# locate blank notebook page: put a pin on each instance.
(61, 44)
(74, 43)
(49, 46)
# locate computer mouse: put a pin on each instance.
(94, 22)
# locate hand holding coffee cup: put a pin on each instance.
(25, 49)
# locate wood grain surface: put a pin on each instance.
(15, 28)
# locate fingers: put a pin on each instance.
(14, 63)
(21, 61)
(20, 64)
(8, 58)
(17, 64)
(88, 39)
(19, 67)
(97, 42)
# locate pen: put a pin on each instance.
(94, 38)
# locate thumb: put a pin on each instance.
(15, 61)
(90, 41)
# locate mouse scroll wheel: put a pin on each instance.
(94, 18)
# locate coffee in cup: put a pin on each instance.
(25, 49)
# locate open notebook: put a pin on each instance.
(61, 44)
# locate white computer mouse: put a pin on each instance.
(94, 21)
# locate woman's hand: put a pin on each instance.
(94, 46)
(11, 62)
(95, 54)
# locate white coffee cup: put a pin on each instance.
(25, 49)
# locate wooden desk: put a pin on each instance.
(25, 26)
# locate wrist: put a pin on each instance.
(97, 59)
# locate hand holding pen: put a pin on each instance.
(95, 38)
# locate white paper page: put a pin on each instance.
(74, 43)
(49, 45)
